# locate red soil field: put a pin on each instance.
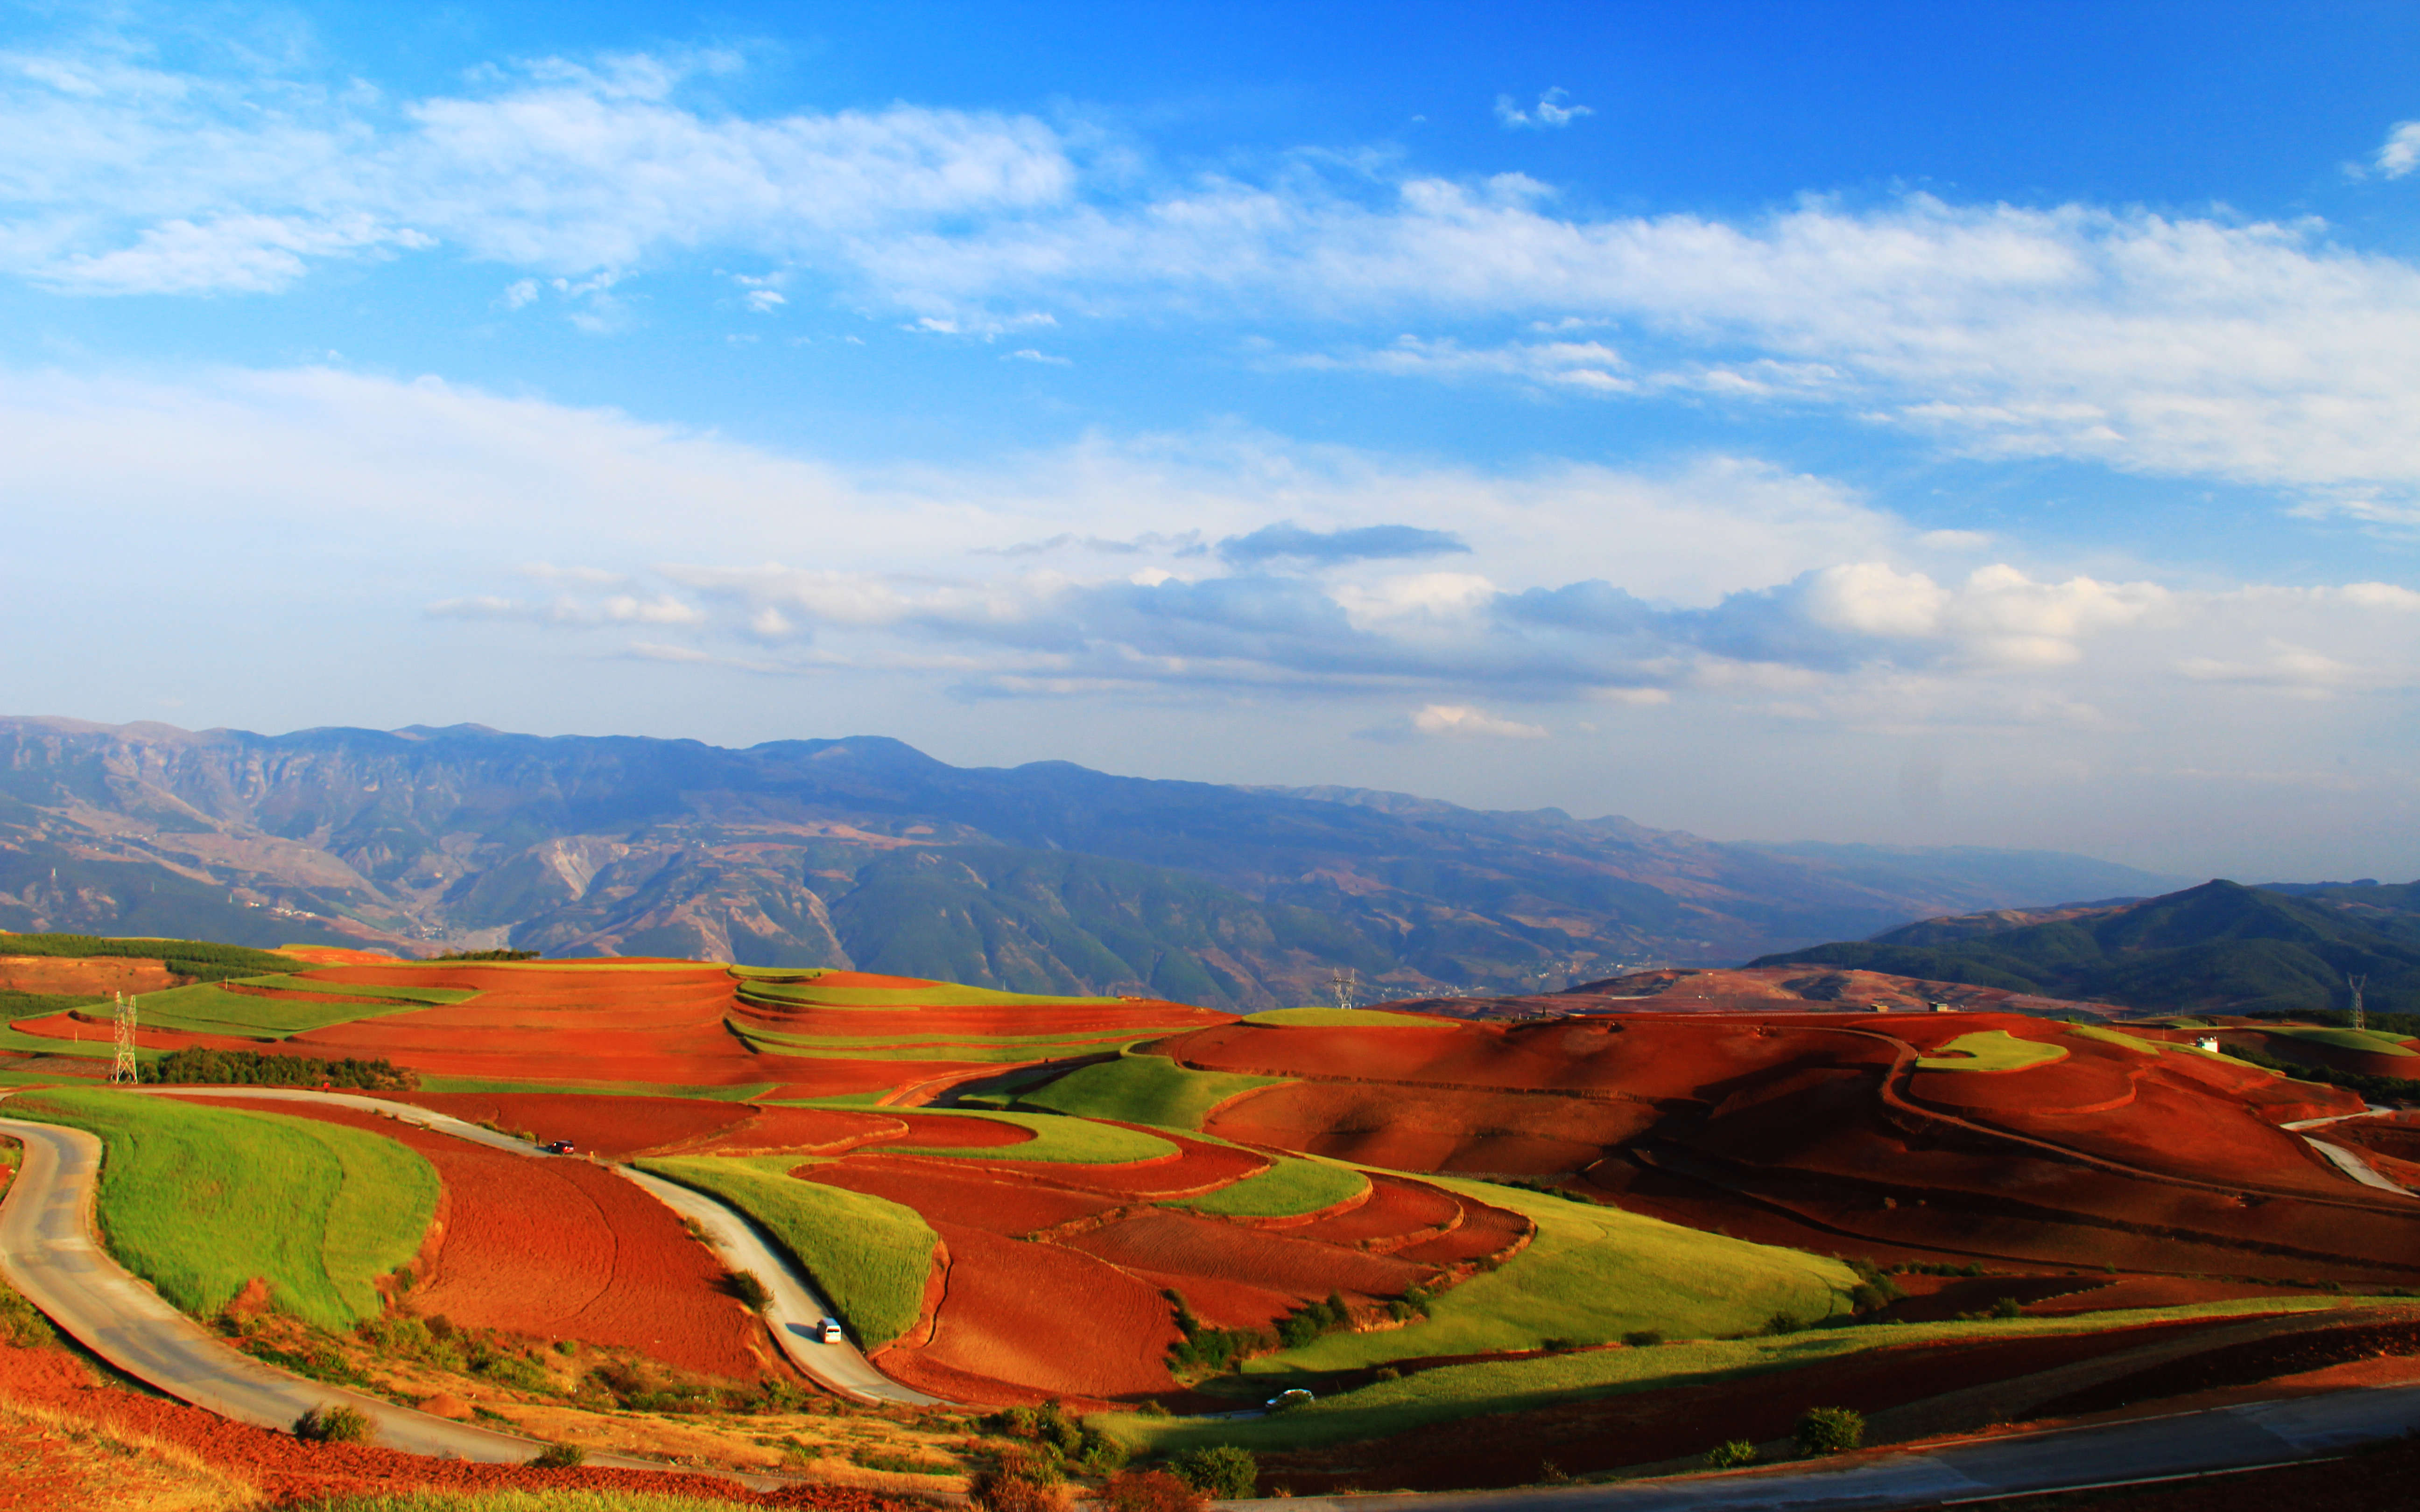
(1047, 1318)
(799, 1131)
(1200, 1168)
(335, 955)
(969, 1199)
(1431, 1130)
(1177, 1245)
(563, 1249)
(933, 1131)
(104, 973)
(1397, 1213)
(287, 1471)
(1484, 1232)
(615, 1128)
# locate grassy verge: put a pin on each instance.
(1141, 1088)
(1285, 1189)
(2368, 1041)
(1070, 1141)
(1594, 1274)
(788, 991)
(16, 1005)
(978, 1052)
(1337, 1018)
(208, 1009)
(869, 1256)
(199, 1200)
(1992, 1049)
(1390, 1407)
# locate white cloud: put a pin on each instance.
(2400, 152)
(1461, 719)
(1549, 112)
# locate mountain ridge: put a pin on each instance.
(863, 851)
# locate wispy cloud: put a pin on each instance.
(2400, 152)
(1549, 113)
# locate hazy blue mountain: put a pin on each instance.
(2218, 947)
(864, 852)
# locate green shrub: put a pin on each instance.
(751, 1290)
(1780, 1323)
(1730, 1455)
(2007, 1307)
(250, 1068)
(1021, 1479)
(561, 1457)
(334, 1423)
(1223, 1471)
(1830, 1430)
(1643, 1339)
(21, 1324)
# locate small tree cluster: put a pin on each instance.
(1223, 1471)
(250, 1068)
(334, 1423)
(1830, 1430)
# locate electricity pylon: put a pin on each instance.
(2360, 1020)
(122, 1020)
(1344, 986)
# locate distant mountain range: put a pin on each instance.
(2218, 947)
(866, 853)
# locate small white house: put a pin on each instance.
(2206, 1041)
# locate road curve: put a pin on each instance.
(796, 1308)
(2175, 1446)
(48, 1253)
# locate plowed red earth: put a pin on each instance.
(563, 1249)
(1642, 1427)
(1047, 1318)
(936, 1131)
(1397, 1212)
(335, 955)
(1429, 1129)
(801, 1130)
(613, 1127)
(287, 1471)
(1180, 1244)
(969, 1199)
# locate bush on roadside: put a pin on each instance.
(1730, 1455)
(749, 1290)
(1223, 1471)
(1148, 1490)
(560, 1456)
(1830, 1430)
(334, 1423)
(1643, 1339)
(1021, 1479)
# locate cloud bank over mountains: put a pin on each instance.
(1410, 599)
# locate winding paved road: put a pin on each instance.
(48, 1252)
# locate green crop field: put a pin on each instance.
(1338, 1018)
(201, 959)
(1144, 1088)
(869, 1256)
(789, 990)
(2132, 1041)
(423, 997)
(1069, 1141)
(15, 1006)
(210, 1009)
(1992, 1049)
(199, 1200)
(1287, 1188)
(1004, 1050)
(1426, 1397)
(1593, 1275)
(2368, 1041)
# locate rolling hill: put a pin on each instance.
(867, 854)
(2220, 947)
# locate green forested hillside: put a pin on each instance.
(2216, 947)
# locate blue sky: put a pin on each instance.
(1915, 424)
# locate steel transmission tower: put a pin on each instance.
(122, 1020)
(2360, 1020)
(1345, 986)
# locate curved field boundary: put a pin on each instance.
(1345, 1018)
(48, 1253)
(1292, 1189)
(1993, 1050)
(796, 1306)
(1057, 1140)
(1146, 1089)
(202, 1199)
